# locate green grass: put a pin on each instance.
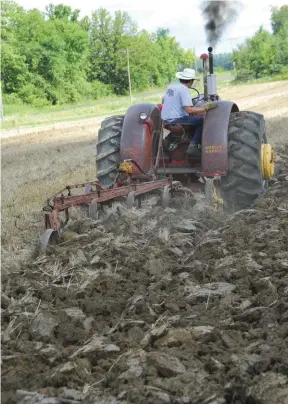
(26, 115)
(16, 116)
(266, 79)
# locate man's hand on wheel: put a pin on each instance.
(212, 105)
(198, 111)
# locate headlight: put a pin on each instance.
(143, 116)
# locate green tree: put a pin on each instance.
(223, 60)
(143, 62)
(62, 12)
(265, 54)
(43, 60)
(169, 57)
(57, 57)
(110, 36)
(279, 18)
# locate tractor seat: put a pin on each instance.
(174, 128)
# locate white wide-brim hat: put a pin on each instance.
(187, 74)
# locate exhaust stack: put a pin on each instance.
(204, 58)
(210, 56)
(211, 79)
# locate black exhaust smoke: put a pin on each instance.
(218, 15)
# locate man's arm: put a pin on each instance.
(199, 111)
(187, 103)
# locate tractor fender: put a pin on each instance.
(214, 160)
(139, 138)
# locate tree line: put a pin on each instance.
(57, 57)
(265, 54)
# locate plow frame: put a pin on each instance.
(62, 203)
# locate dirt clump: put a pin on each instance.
(154, 306)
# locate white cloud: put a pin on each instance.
(183, 19)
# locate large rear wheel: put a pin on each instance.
(108, 150)
(247, 171)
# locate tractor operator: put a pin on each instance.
(178, 108)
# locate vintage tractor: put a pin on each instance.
(135, 156)
(235, 153)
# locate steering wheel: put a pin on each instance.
(197, 98)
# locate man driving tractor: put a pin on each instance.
(178, 108)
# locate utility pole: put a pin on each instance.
(129, 77)
(195, 60)
(235, 69)
(128, 51)
(1, 103)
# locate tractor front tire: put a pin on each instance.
(244, 181)
(108, 150)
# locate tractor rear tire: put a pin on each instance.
(244, 181)
(108, 150)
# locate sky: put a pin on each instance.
(183, 18)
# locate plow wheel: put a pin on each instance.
(246, 178)
(50, 237)
(108, 150)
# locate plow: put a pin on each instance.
(95, 198)
(138, 154)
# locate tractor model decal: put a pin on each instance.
(214, 149)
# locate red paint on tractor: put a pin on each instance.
(148, 143)
(214, 139)
(137, 136)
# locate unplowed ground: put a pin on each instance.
(182, 306)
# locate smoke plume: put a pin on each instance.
(218, 15)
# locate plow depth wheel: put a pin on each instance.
(50, 237)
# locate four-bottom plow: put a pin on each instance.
(95, 197)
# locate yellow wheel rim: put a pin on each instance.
(267, 159)
(126, 167)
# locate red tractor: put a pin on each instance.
(135, 157)
(235, 153)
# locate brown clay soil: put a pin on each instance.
(181, 306)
